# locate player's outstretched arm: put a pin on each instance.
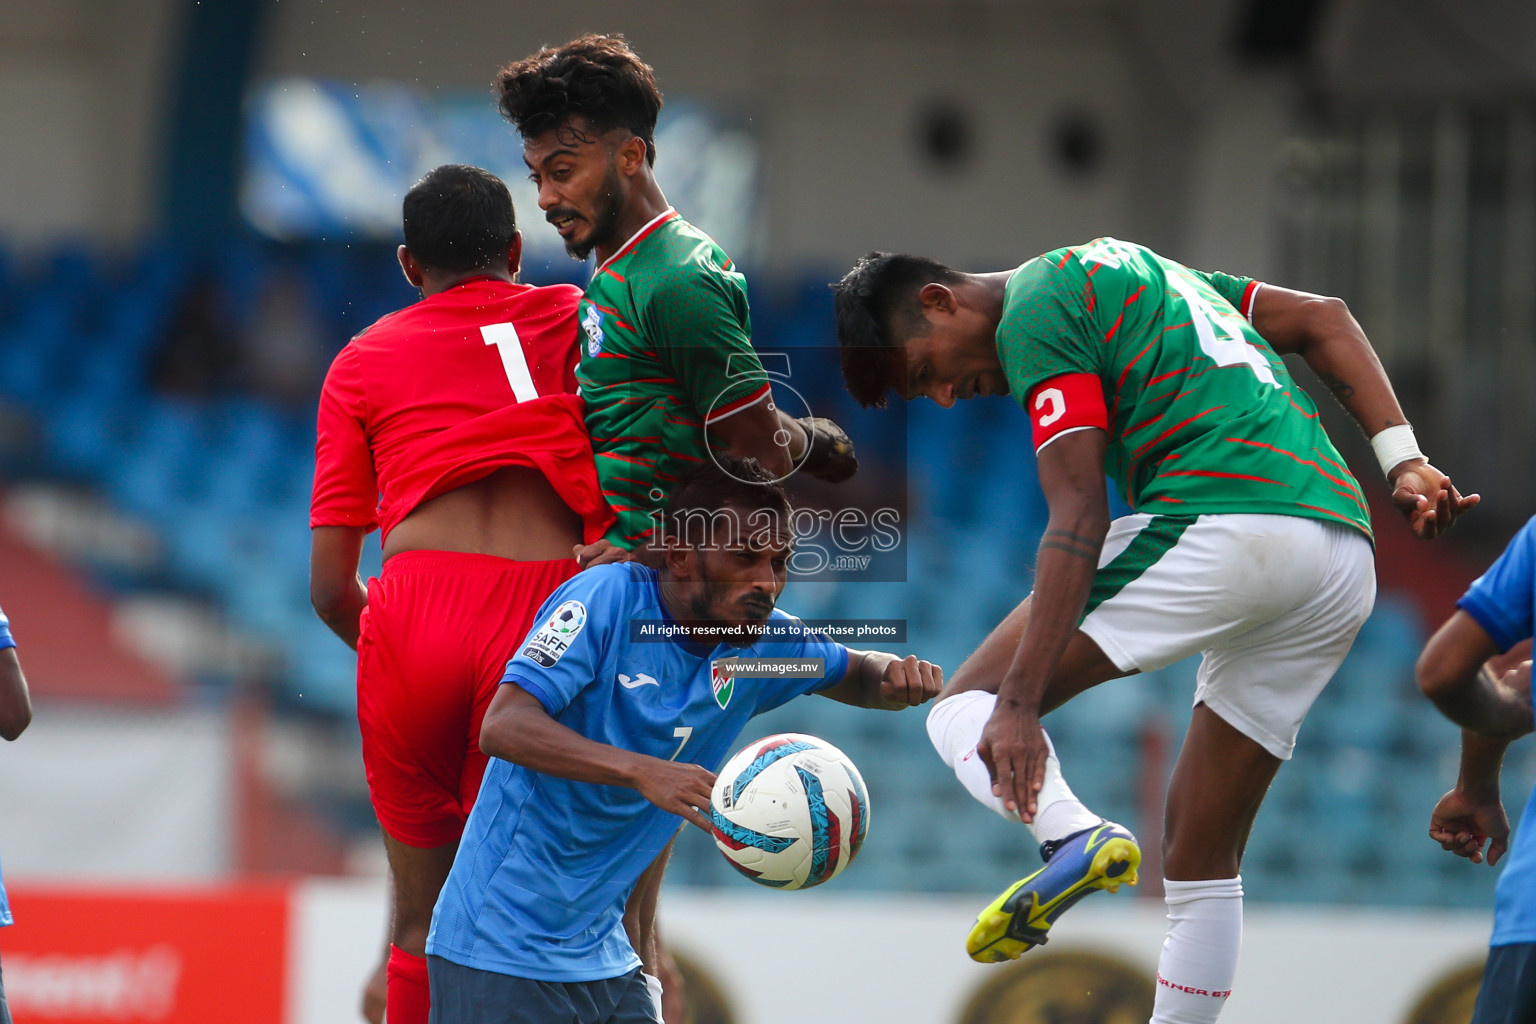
(336, 593)
(1324, 333)
(15, 700)
(1013, 747)
(518, 729)
(884, 681)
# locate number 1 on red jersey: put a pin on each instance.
(513, 360)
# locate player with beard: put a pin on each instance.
(453, 427)
(668, 372)
(601, 742)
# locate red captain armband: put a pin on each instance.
(1060, 405)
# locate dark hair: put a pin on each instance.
(596, 77)
(877, 310)
(458, 219)
(711, 485)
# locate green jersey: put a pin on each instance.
(669, 353)
(1203, 415)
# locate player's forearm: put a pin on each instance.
(868, 668)
(1479, 702)
(759, 432)
(335, 592)
(15, 700)
(771, 455)
(1065, 566)
(526, 735)
(1482, 757)
(796, 433)
(341, 608)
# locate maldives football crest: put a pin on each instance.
(721, 682)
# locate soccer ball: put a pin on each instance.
(789, 811)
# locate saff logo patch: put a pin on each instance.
(554, 638)
(592, 323)
(721, 682)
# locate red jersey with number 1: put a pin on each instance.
(447, 391)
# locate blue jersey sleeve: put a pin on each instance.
(810, 644)
(1502, 599)
(572, 636)
(6, 640)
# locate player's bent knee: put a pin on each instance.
(955, 722)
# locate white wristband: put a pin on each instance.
(1394, 446)
(653, 985)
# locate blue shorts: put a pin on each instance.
(467, 995)
(1508, 994)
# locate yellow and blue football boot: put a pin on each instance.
(1103, 857)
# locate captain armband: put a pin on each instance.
(1064, 404)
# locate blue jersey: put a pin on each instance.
(545, 866)
(5, 641)
(1503, 601)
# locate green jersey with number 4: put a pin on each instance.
(1203, 415)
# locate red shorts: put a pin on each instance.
(436, 636)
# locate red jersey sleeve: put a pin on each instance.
(346, 486)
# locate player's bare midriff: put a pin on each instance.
(512, 513)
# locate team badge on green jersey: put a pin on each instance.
(592, 323)
(721, 682)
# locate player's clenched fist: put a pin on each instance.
(909, 681)
(830, 456)
(679, 788)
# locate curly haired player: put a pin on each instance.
(668, 372)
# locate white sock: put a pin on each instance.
(1199, 961)
(954, 727)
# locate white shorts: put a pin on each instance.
(1271, 602)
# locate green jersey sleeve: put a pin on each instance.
(703, 335)
(1233, 289)
(1047, 329)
